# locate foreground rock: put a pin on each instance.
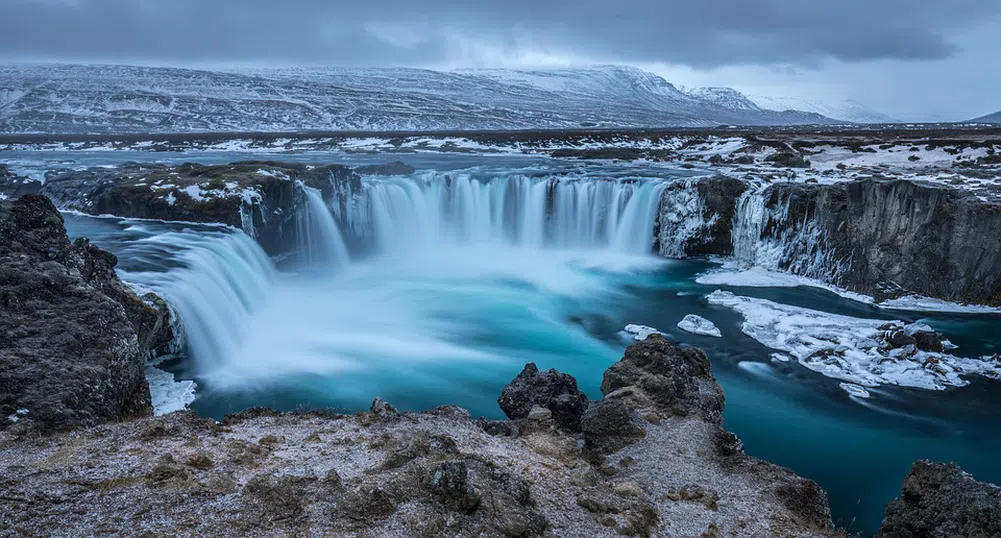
(557, 392)
(654, 462)
(73, 337)
(941, 501)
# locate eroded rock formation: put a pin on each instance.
(941, 501)
(73, 337)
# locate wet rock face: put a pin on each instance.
(702, 220)
(675, 381)
(550, 390)
(14, 186)
(941, 501)
(69, 350)
(895, 238)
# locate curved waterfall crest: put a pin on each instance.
(392, 214)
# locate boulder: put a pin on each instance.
(674, 380)
(550, 390)
(73, 337)
(941, 501)
(450, 481)
(610, 425)
(788, 159)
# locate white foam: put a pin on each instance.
(850, 349)
(699, 325)
(855, 390)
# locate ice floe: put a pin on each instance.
(854, 350)
(855, 390)
(168, 395)
(699, 325)
(926, 304)
(640, 332)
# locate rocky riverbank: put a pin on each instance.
(648, 459)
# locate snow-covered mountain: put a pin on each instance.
(65, 99)
(724, 97)
(850, 111)
(843, 111)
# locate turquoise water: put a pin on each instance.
(455, 325)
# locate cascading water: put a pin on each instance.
(223, 279)
(407, 213)
(320, 243)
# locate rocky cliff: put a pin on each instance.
(264, 199)
(883, 238)
(889, 238)
(73, 337)
(648, 459)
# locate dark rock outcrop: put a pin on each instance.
(696, 219)
(610, 425)
(73, 337)
(673, 380)
(550, 390)
(789, 159)
(892, 238)
(15, 186)
(941, 501)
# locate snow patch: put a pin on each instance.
(760, 277)
(168, 395)
(195, 192)
(699, 325)
(640, 332)
(926, 304)
(851, 349)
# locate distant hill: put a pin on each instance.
(990, 118)
(79, 99)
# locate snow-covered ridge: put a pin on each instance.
(78, 99)
(846, 110)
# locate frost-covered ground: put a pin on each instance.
(968, 160)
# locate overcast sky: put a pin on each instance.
(913, 59)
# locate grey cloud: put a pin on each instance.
(703, 34)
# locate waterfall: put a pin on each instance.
(320, 243)
(395, 214)
(222, 279)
